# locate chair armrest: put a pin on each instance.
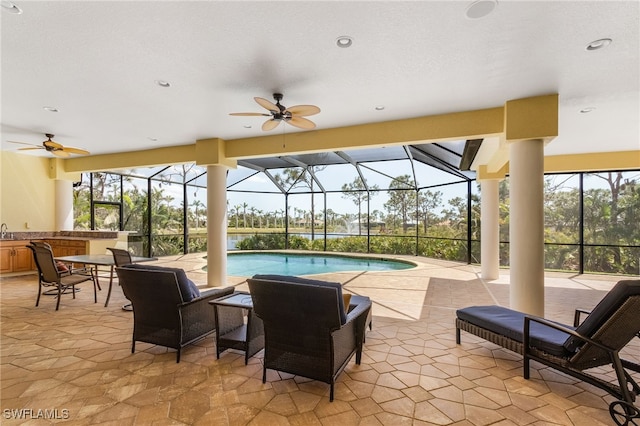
(527, 325)
(359, 310)
(209, 294)
(576, 317)
(80, 271)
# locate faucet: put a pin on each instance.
(3, 231)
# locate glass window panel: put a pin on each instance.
(319, 158)
(297, 179)
(430, 176)
(389, 174)
(144, 172)
(238, 174)
(247, 212)
(106, 217)
(257, 183)
(334, 177)
(377, 154)
(106, 186)
(166, 208)
(503, 200)
(82, 203)
(134, 206)
(180, 173)
(612, 208)
(561, 210)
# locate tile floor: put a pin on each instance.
(75, 366)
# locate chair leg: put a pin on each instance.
(264, 373)
(39, 293)
(526, 362)
(95, 291)
(133, 346)
(59, 297)
(73, 290)
(178, 356)
(331, 393)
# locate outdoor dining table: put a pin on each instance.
(96, 260)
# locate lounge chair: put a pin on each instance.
(594, 342)
(168, 309)
(308, 329)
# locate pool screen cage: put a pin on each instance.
(408, 200)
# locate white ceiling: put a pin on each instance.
(97, 63)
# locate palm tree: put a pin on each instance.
(244, 214)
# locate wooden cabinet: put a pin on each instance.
(15, 257)
(68, 247)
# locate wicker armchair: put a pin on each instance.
(49, 274)
(164, 313)
(594, 342)
(307, 330)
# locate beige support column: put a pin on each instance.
(64, 205)
(526, 226)
(490, 229)
(216, 226)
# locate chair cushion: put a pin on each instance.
(305, 281)
(510, 323)
(603, 310)
(346, 299)
(188, 289)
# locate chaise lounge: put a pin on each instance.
(594, 342)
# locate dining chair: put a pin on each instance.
(122, 258)
(50, 276)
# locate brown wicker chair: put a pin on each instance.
(591, 343)
(50, 276)
(164, 313)
(304, 332)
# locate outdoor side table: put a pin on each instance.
(232, 330)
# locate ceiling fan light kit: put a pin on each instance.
(279, 113)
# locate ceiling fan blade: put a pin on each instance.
(267, 104)
(28, 149)
(270, 124)
(74, 150)
(249, 114)
(60, 153)
(302, 123)
(303, 110)
(25, 143)
(51, 144)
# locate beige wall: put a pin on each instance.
(27, 194)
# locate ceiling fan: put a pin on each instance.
(54, 147)
(293, 115)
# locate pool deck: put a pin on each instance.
(412, 371)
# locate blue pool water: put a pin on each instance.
(249, 264)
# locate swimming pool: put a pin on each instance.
(249, 264)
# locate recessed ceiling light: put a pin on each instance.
(379, 107)
(10, 7)
(344, 41)
(50, 109)
(599, 44)
(163, 83)
(480, 8)
(587, 110)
